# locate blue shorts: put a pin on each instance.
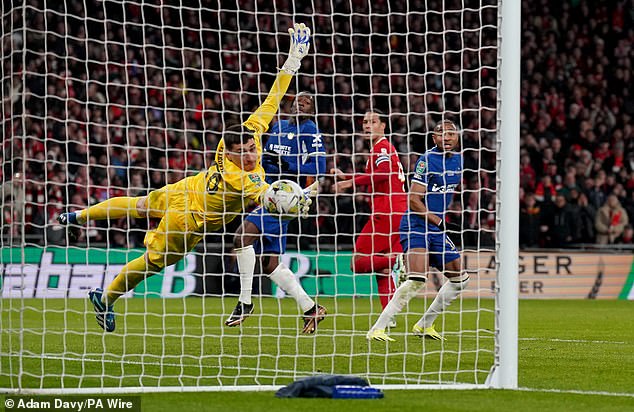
(273, 232)
(417, 234)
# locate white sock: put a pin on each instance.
(402, 296)
(447, 294)
(285, 279)
(246, 266)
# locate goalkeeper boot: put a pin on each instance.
(239, 314)
(312, 317)
(399, 275)
(379, 335)
(69, 220)
(105, 313)
(429, 333)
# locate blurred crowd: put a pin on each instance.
(577, 136)
(115, 99)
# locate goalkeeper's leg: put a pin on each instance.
(109, 209)
(154, 205)
(131, 275)
(114, 208)
(166, 245)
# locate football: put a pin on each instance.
(283, 197)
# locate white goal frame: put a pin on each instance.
(504, 372)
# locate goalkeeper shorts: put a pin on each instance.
(177, 232)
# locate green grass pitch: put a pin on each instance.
(572, 354)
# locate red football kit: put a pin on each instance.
(379, 240)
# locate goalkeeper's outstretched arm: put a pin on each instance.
(300, 44)
(233, 145)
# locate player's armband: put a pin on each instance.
(381, 158)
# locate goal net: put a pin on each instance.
(107, 98)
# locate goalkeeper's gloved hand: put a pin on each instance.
(309, 192)
(312, 190)
(304, 209)
(300, 43)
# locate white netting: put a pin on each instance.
(107, 98)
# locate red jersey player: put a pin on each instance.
(378, 244)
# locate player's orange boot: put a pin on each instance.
(312, 317)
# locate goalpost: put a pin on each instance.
(105, 98)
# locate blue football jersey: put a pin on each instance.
(301, 151)
(441, 175)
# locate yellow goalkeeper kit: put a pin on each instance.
(210, 199)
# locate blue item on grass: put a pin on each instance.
(356, 392)
(321, 386)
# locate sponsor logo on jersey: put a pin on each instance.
(280, 149)
(317, 141)
(420, 168)
(255, 178)
(443, 189)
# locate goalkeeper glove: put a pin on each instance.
(312, 190)
(309, 192)
(300, 43)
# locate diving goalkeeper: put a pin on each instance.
(198, 204)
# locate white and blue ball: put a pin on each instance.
(283, 197)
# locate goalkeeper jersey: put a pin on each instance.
(225, 188)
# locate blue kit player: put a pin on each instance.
(438, 173)
(294, 151)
